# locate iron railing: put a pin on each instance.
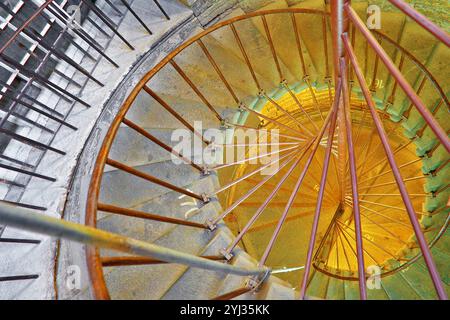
(27, 52)
(339, 85)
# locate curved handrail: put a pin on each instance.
(93, 259)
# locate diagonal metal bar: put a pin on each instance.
(39, 223)
(244, 54)
(106, 21)
(379, 174)
(166, 106)
(287, 113)
(299, 45)
(403, 83)
(280, 124)
(161, 9)
(382, 161)
(35, 14)
(225, 165)
(44, 113)
(376, 245)
(294, 192)
(392, 182)
(294, 97)
(125, 3)
(217, 69)
(265, 131)
(233, 294)
(320, 195)
(195, 89)
(17, 240)
(398, 178)
(354, 180)
(16, 93)
(213, 223)
(232, 183)
(146, 215)
(17, 278)
(136, 260)
(47, 83)
(423, 21)
(152, 138)
(264, 204)
(30, 142)
(59, 13)
(272, 47)
(153, 179)
(394, 236)
(345, 232)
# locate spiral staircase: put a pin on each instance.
(233, 230)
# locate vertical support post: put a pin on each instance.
(355, 196)
(339, 25)
(321, 193)
(421, 240)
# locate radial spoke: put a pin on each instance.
(153, 179)
(221, 166)
(151, 137)
(372, 242)
(259, 169)
(276, 122)
(354, 183)
(345, 233)
(294, 97)
(213, 223)
(288, 114)
(385, 172)
(394, 236)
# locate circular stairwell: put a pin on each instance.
(172, 96)
(261, 67)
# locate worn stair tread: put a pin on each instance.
(149, 230)
(147, 112)
(318, 285)
(201, 284)
(336, 289)
(420, 281)
(397, 288)
(116, 184)
(351, 290)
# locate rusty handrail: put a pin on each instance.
(415, 99)
(423, 21)
(28, 220)
(95, 268)
(92, 255)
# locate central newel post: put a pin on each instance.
(339, 25)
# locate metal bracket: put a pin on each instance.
(227, 255)
(205, 198)
(254, 283)
(206, 172)
(211, 226)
